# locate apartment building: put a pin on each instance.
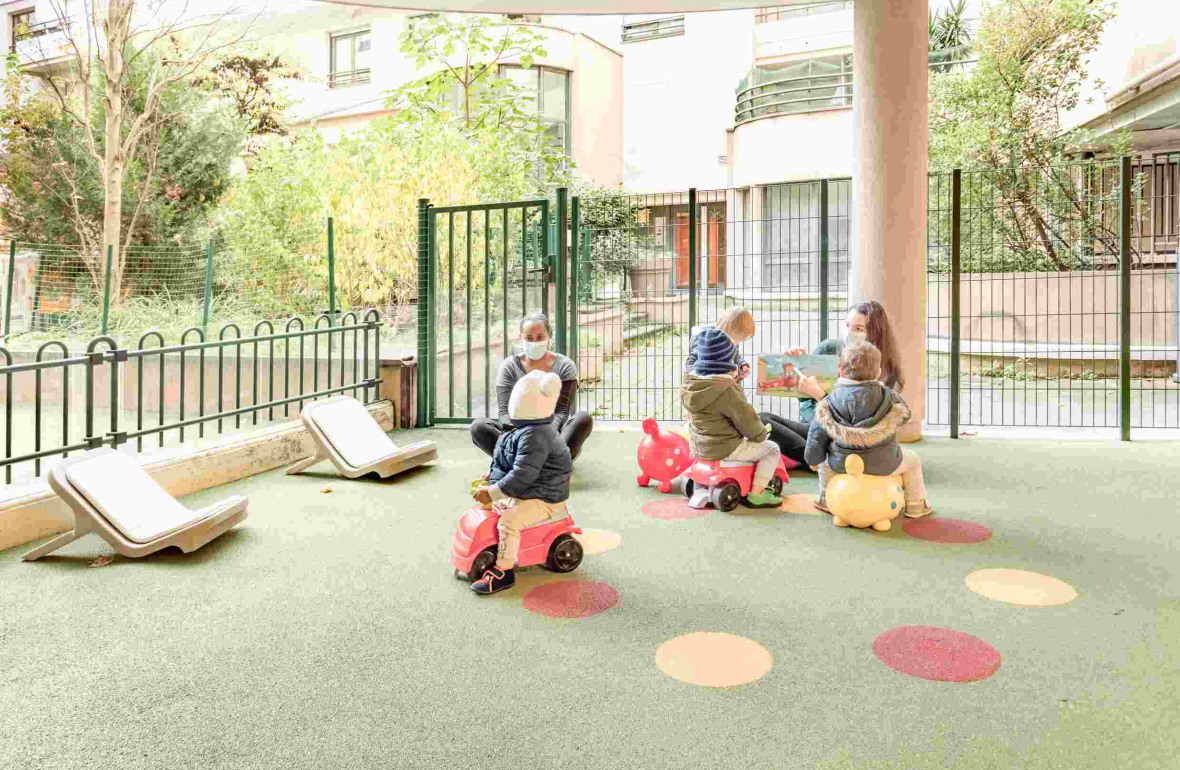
(351, 58)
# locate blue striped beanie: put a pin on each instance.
(715, 353)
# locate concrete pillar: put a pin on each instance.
(888, 228)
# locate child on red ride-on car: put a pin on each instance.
(722, 424)
(530, 477)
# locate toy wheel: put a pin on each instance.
(727, 496)
(564, 555)
(776, 486)
(484, 562)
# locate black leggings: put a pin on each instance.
(790, 436)
(575, 431)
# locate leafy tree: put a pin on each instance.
(1030, 207)
(464, 88)
(54, 188)
(115, 95)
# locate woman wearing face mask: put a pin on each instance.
(534, 355)
(866, 321)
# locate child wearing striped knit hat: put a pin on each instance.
(722, 424)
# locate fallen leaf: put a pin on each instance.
(326, 490)
(101, 561)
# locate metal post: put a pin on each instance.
(562, 248)
(423, 309)
(1125, 299)
(575, 229)
(331, 281)
(208, 287)
(956, 332)
(692, 257)
(106, 294)
(824, 291)
(8, 291)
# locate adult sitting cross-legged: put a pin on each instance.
(865, 321)
(534, 355)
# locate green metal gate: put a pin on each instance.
(481, 267)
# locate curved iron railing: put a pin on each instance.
(788, 96)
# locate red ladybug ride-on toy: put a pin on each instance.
(552, 543)
(725, 484)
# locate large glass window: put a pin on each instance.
(350, 54)
(810, 85)
(791, 245)
(550, 89)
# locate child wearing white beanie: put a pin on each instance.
(530, 477)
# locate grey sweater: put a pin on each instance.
(512, 369)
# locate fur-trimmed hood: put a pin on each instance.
(861, 414)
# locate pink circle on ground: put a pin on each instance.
(940, 530)
(571, 599)
(939, 654)
(673, 508)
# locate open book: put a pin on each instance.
(779, 375)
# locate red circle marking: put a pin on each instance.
(938, 654)
(940, 530)
(673, 509)
(571, 599)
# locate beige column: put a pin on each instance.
(888, 227)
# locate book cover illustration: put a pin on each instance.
(780, 375)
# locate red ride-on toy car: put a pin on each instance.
(725, 484)
(552, 543)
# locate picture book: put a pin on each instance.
(779, 375)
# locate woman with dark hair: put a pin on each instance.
(533, 356)
(865, 321)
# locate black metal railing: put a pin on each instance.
(275, 360)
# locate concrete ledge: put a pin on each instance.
(33, 511)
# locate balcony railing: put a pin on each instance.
(810, 93)
(40, 29)
(780, 12)
(350, 78)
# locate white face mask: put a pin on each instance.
(851, 338)
(534, 351)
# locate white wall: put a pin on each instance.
(791, 148)
(801, 36)
(679, 95)
(1144, 34)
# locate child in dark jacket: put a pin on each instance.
(529, 482)
(861, 416)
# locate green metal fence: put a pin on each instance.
(1052, 293)
(61, 399)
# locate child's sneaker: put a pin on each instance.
(916, 511)
(494, 580)
(764, 499)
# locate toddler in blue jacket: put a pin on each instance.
(529, 482)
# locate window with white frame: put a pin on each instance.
(22, 22)
(653, 29)
(350, 54)
(550, 89)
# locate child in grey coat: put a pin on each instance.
(861, 416)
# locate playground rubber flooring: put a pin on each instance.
(1032, 622)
